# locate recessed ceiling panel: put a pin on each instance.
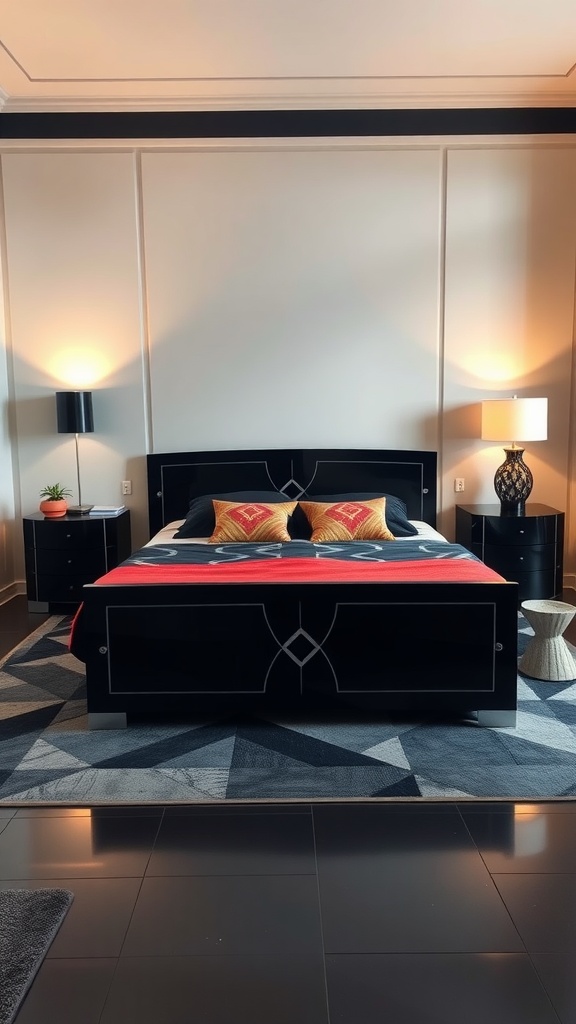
(157, 48)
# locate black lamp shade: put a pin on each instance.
(74, 412)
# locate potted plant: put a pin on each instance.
(54, 502)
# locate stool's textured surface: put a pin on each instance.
(547, 655)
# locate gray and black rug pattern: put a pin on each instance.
(47, 753)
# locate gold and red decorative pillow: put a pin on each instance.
(347, 520)
(255, 521)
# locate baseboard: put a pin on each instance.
(569, 581)
(12, 590)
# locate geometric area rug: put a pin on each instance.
(48, 755)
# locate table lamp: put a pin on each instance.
(524, 419)
(74, 415)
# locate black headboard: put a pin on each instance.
(175, 478)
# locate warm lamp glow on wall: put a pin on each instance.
(79, 367)
(523, 419)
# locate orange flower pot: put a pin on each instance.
(54, 509)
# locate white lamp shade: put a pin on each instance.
(515, 419)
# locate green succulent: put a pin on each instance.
(55, 492)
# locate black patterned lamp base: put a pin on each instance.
(513, 483)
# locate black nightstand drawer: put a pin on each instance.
(60, 589)
(513, 560)
(531, 585)
(62, 535)
(521, 531)
(91, 562)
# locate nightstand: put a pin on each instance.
(63, 554)
(528, 549)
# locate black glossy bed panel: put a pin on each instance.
(177, 477)
(216, 648)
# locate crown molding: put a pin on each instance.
(345, 100)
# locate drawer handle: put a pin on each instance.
(498, 647)
(521, 531)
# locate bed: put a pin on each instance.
(298, 626)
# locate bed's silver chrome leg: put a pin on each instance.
(107, 720)
(497, 719)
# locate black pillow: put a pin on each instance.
(396, 512)
(201, 520)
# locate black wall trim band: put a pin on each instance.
(288, 123)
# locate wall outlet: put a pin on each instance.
(126, 487)
(459, 484)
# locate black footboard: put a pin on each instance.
(400, 647)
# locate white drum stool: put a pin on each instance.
(547, 655)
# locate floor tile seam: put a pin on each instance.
(518, 809)
(230, 813)
(492, 949)
(70, 878)
(108, 811)
(81, 956)
(475, 844)
(543, 985)
(154, 840)
(56, 882)
(216, 955)
(233, 874)
(436, 952)
(532, 874)
(128, 923)
(506, 908)
(320, 916)
(210, 808)
(111, 979)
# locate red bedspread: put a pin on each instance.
(302, 570)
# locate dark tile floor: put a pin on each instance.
(351, 913)
(16, 622)
(316, 913)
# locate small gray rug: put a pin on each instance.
(29, 920)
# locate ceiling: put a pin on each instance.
(75, 55)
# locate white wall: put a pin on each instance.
(10, 528)
(353, 293)
(509, 293)
(76, 319)
(281, 293)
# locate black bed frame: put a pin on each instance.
(447, 649)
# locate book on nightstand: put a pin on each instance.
(106, 510)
